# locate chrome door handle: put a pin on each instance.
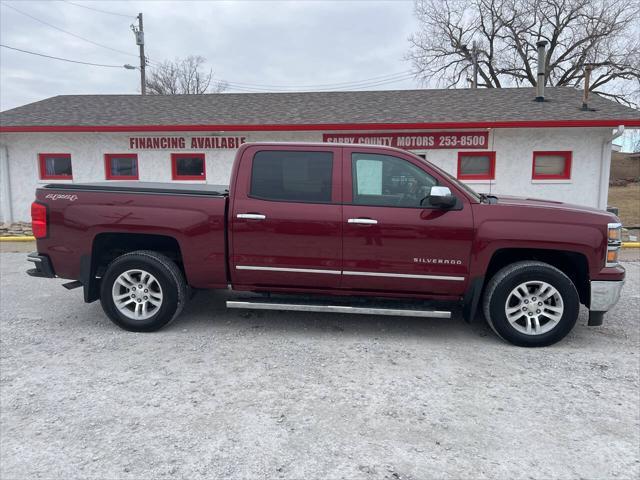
(363, 221)
(251, 216)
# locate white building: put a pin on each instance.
(497, 140)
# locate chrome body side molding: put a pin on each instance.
(350, 272)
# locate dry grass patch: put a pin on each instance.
(627, 199)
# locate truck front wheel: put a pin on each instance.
(142, 291)
(531, 304)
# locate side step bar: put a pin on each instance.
(338, 309)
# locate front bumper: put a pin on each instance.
(43, 269)
(604, 296)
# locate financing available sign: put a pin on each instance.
(414, 140)
(183, 143)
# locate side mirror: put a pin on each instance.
(441, 197)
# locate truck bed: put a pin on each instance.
(145, 187)
(86, 218)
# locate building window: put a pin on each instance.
(55, 166)
(188, 166)
(292, 176)
(551, 165)
(121, 166)
(476, 165)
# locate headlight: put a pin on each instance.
(615, 232)
(614, 242)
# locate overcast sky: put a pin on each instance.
(293, 44)
(284, 43)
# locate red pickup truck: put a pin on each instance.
(331, 228)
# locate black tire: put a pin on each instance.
(168, 276)
(506, 280)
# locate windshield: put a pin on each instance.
(454, 180)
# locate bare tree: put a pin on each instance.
(604, 33)
(182, 76)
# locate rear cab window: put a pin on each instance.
(292, 176)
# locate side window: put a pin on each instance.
(551, 165)
(292, 176)
(121, 166)
(188, 166)
(55, 166)
(383, 180)
(476, 165)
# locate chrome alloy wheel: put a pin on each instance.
(137, 294)
(534, 307)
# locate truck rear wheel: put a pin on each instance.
(142, 291)
(531, 304)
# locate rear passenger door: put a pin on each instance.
(286, 218)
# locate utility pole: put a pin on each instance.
(139, 33)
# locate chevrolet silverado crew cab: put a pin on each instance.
(331, 228)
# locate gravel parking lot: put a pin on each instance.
(285, 395)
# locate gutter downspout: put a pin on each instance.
(5, 186)
(605, 167)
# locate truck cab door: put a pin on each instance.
(286, 218)
(392, 241)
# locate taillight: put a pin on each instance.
(39, 220)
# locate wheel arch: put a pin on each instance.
(108, 246)
(573, 264)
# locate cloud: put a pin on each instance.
(252, 42)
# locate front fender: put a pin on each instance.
(494, 235)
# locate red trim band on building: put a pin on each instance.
(322, 126)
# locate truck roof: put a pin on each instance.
(323, 144)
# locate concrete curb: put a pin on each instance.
(17, 239)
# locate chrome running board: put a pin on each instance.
(256, 305)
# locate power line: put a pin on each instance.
(318, 85)
(245, 89)
(62, 59)
(353, 86)
(382, 82)
(385, 82)
(240, 86)
(98, 10)
(67, 32)
(347, 85)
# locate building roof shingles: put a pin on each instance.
(314, 108)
